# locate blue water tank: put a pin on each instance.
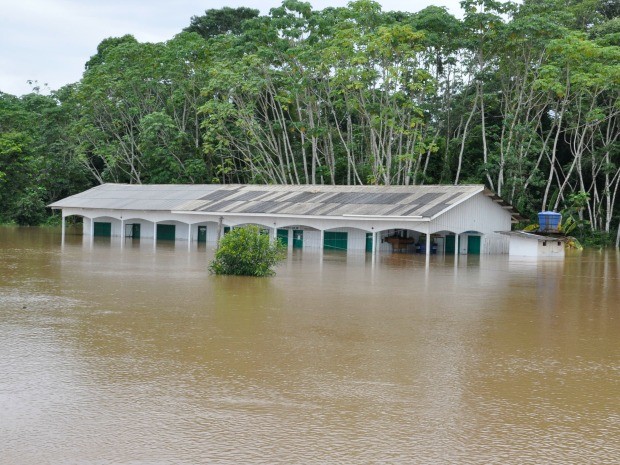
(549, 221)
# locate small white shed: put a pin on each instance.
(525, 244)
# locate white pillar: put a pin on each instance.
(220, 232)
(290, 239)
(62, 241)
(322, 241)
(375, 248)
(122, 232)
(189, 236)
(154, 233)
(457, 249)
(274, 236)
(428, 248)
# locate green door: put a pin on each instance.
(473, 245)
(298, 239)
(368, 242)
(202, 234)
(102, 229)
(135, 231)
(166, 232)
(335, 240)
(450, 243)
(283, 236)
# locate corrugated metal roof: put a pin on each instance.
(409, 201)
(138, 196)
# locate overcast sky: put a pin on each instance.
(49, 41)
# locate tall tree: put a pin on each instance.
(221, 21)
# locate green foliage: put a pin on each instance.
(247, 251)
(221, 21)
(29, 209)
(105, 47)
(597, 239)
(34, 164)
(572, 215)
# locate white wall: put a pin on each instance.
(312, 240)
(115, 229)
(180, 230)
(494, 243)
(532, 247)
(146, 227)
(479, 214)
(523, 247)
(86, 226)
(550, 248)
(356, 238)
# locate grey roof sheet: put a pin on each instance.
(410, 201)
(137, 196)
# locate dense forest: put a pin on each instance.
(521, 97)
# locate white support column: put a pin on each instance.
(154, 234)
(189, 236)
(375, 247)
(457, 249)
(122, 232)
(274, 236)
(62, 241)
(428, 248)
(92, 227)
(220, 232)
(290, 239)
(321, 249)
(375, 250)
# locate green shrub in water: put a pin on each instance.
(247, 251)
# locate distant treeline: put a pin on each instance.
(523, 98)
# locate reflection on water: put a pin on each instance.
(133, 353)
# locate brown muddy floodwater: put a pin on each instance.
(133, 354)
